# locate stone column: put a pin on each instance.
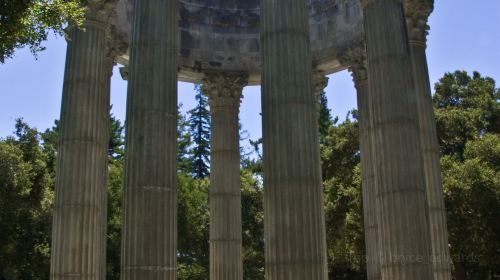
(115, 47)
(403, 227)
(417, 13)
(78, 239)
(108, 72)
(224, 95)
(149, 234)
(294, 225)
(355, 59)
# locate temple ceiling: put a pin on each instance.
(223, 35)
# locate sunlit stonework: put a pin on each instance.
(286, 46)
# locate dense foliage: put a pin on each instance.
(26, 195)
(26, 23)
(467, 112)
(468, 121)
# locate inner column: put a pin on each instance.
(149, 239)
(294, 226)
(403, 230)
(417, 13)
(224, 95)
(355, 59)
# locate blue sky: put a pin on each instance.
(464, 35)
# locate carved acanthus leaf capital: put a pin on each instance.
(355, 60)
(417, 13)
(117, 45)
(224, 91)
(320, 82)
(101, 11)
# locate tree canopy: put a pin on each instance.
(27, 23)
(468, 120)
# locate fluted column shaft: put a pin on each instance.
(355, 59)
(149, 234)
(108, 72)
(417, 13)
(403, 230)
(115, 48)
(79, 208)
(294, 223)
(224, 93)
(368, 179)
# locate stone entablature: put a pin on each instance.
(223, 36)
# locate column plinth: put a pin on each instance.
(403, 228)
(149, 229)
(78, 235)
(417, 13)
(294, 223)
(355, 59)
(224, 95)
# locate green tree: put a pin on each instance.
(467, 113)
(183, 142)
(26, 23)
(113, 235)
(193, 228)
(116, 144)
(252, 217)
(325, 120)
(199, 125)
(253, 161)
(340, 159)
(472, 193)
(116, 153)
(465, 108)
(26, 196)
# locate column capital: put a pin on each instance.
(100, 12)
(356, 60)
(116, 45)
(224, 91)
(417, 13)
(320, 82)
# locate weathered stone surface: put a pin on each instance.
(294, 223)
(149, 234)
(356, 61)
(403, 227)
(320, 83)
(224, 35)
(101, 11)
(224, 93)
(78, 235)
(416, 14)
